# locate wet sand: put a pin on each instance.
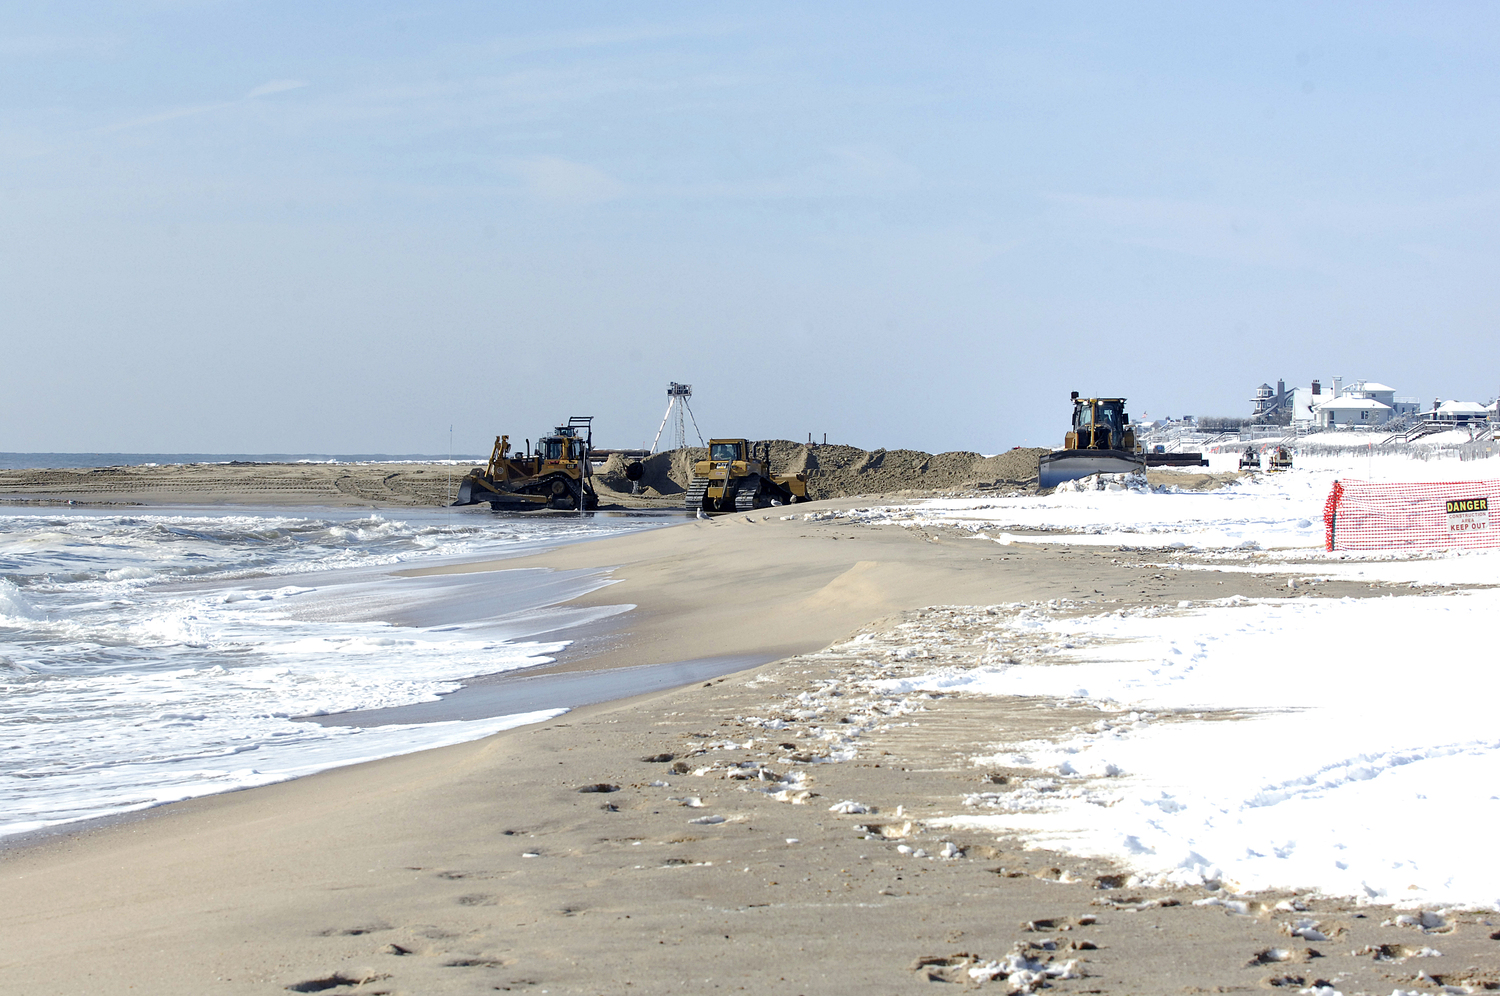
(671, 842)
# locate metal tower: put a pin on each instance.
(677, 401)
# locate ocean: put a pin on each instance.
(159, 655)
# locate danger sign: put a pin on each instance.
(1468, 515)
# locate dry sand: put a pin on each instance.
(369, 484)
(547, 859)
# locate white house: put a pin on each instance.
(1461, 411)
(1351, 410)
(1376, 392)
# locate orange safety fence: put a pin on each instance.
(1364, 515)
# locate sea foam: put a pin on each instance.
(147, 658)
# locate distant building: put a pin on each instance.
(1352, 410)
(1363, 402)
(1376, 392)
(1304, 403)
(1460, 411)
(1267, 401)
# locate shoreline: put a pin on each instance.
(416, 874)
(404, 485)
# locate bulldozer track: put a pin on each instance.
(695, 492)
(748, 492)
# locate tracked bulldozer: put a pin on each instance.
(1100, 442)
(556, 474)
(737, 477)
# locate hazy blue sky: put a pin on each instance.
(343, 227)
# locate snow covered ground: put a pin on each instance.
(1343, 746)
(1265, 511)
(1365, 760)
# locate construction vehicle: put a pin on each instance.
(1100, 442)
(1280, 460)
(1159, 457)
(737, 477)
(1250, 459)
(557, 474)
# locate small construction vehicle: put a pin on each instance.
(1280, 460)
(557, 474)
(737, 477)
(1250, 459)
(1100, 442)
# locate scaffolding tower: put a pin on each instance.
(677, 402)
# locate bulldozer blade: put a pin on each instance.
(1070, 465)
(465, 493)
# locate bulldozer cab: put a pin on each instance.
(1100, 424)
(568, 443)
(724, 453)
(556, 449)
(726, 450)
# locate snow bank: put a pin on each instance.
(1364, 760)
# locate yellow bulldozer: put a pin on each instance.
(556, 474)
(737, 477)
(1101, 441)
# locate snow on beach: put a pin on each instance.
(1281, 511)
(1362, 760)
(1343, 746)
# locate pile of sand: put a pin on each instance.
(835, 471)
(663, 473)
(839, 471)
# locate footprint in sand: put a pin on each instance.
(335, 981)
(477, 899)
(371, 928)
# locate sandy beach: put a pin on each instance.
(672, 843)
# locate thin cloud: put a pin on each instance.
(192, 110)
(170, 115)
(554, 179)
(275, 86)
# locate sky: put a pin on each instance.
(327, 227)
